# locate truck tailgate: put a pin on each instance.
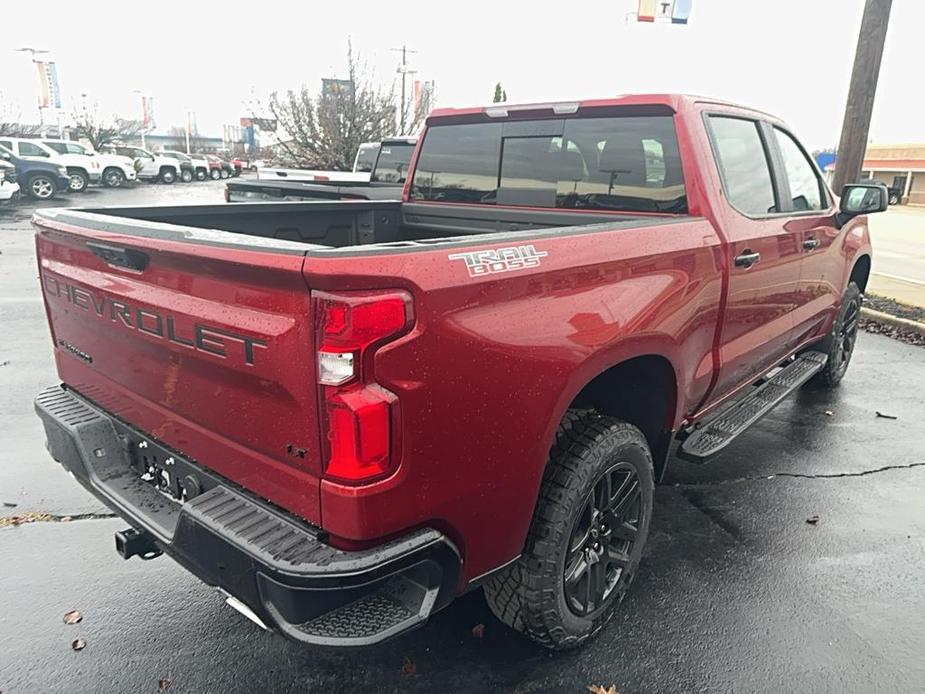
(207, 348)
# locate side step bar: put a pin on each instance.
(715, 434)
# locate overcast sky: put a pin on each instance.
(790, 57)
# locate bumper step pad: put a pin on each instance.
(274, 564)
(715, 434)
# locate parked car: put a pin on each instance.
(150, 167)
(187, 168)
(38, 177)
(219, 168)
(201, 166)
(81, 169)
(386, 172)
(238, 166)
(476, 386)
(115, 169)
(8, 185)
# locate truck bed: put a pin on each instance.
(297, 227)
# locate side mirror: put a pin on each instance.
(862, 198)
(5, 155)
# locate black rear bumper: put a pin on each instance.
(278, 566)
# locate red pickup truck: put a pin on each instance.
(344, 414)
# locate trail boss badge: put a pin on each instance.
(497, 260)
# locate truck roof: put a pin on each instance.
(501, 110)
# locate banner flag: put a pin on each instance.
(681, 12)
(664, 9)
(646, 11)
(48, 83)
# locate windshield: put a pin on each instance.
(626, 164)
(392, 164)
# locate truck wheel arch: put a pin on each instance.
(641, 390)
(860, 272)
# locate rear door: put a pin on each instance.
(204, 347)
(763, 254)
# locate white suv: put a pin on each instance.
(116, 170)
(81, 169)
(150, 167)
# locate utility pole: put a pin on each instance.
(856, 125)
(405, 71)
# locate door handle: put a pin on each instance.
(747, 259)
(811, 244)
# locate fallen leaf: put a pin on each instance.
(78, 644)
(598, 689)
(408, 667)
(886, 416)
(163, 683)
(478, 631)
(813, 519)
(72, 617)
(829, 413)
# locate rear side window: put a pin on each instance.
(366, 158)
(392, 165)
(743, 165)
(27, 149)
(619, 164)
(805, 188)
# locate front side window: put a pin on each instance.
(805, 188)
(627, 164)
(744, 165)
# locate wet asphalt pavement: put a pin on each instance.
(736, 592)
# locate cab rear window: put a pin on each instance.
(611, 163)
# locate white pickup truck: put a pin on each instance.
(150, 167)
(366, 156)
(115, 169)
(81, 169)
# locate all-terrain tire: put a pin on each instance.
(529, 595)
(839, 344)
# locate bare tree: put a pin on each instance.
(102, 131)
(326, 130)
(11, 124)
(417, 109)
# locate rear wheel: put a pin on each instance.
(186, 176)
(79, 181)
(224, 174)
(40, 187)
(215, 174)
(586, 538)
(113, 178)
(839, 345)
(168, 176)
(200, 175)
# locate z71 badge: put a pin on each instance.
(497, 260)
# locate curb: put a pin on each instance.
(903, 324)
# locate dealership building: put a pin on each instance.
(901, 167)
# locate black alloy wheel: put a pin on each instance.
(602, 539)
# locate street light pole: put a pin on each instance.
(404, 70)
(863, 87)
(143, 124)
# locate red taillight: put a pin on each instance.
(357, 414)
